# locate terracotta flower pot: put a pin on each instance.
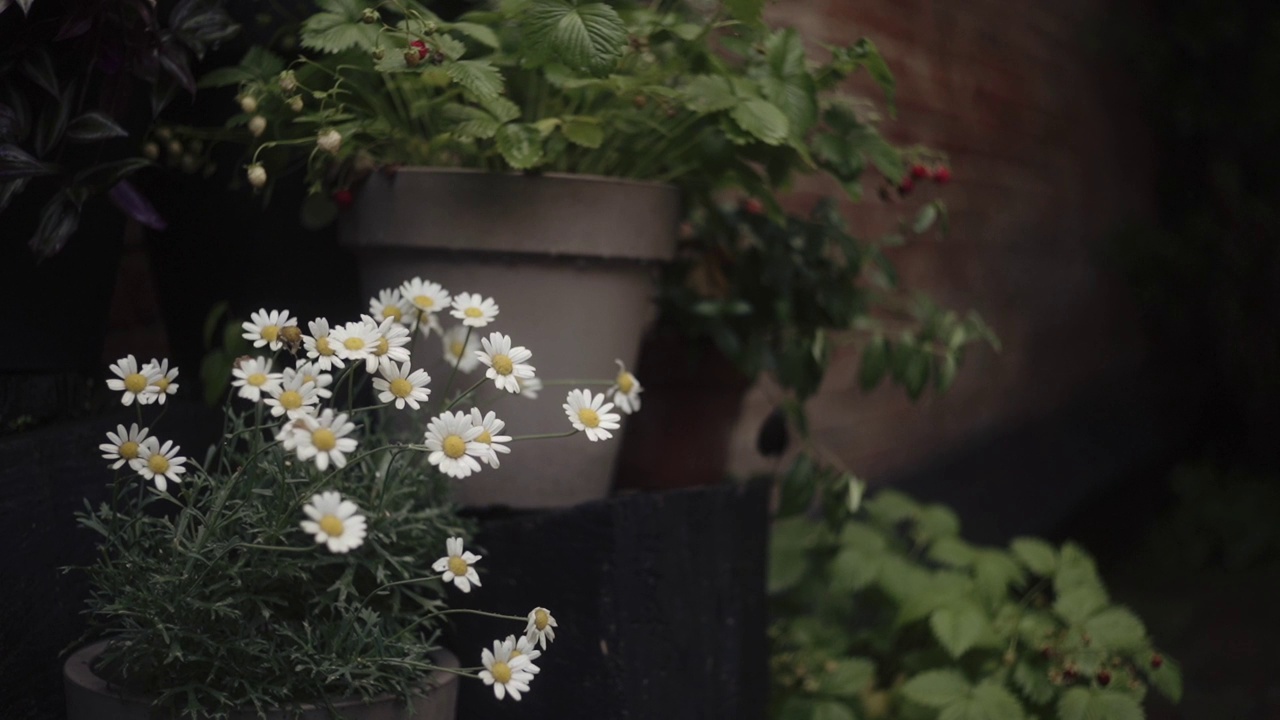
(568, 259)
(89, 697)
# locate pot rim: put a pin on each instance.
(78, 670)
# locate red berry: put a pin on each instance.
(342, 198)
(1104, 678)
(1157, 661)
(942, 174)
(919, 172)
(753, 206)
(907, 186)
(423, 51)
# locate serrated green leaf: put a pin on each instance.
(870, 58)
(938, 521)
(1033, 682)
(762, 119)
(885, 158)
(708, 94)
(520, 145)
(991, 701)
(1076, 605)
(479, 77)
(1038, 555)
(855, 568)
(832, 710)
(1075, 569)
(959, 626)
(482, 34)
(858, 534)
(789, 542)
(937, 688)
(1094, 704)
(1167, 678)
(338, 27)
(502, 109)
(953, 551)
(875, 361)
(912, 368)
(746, 11)
(993, 573)
(582, 37)
(1117, 629)
(847, 677)
(891, 507)
(472, 123)
(584, 131)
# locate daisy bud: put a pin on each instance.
(174, 147)
(329, 141)
(288, 81)
(163, 133)
(295, 103)
(151, 151)
(257, 175)
(292, 336)
(190, 163)
(257, 125)
(249, 103)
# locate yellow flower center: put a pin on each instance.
(485, 438)
(353, 343)
(454, 446)
(541, 618)
(424, 302)
(158, 463)
(383, 347)
(391, 311)
(457, 565)
(291, 334)
(162, 384)
(270, 333)
(331, 525)
(135, 383)
(401, 387)
(456, 348)
(502, 364)
(501, 673)
(626, 381)
(473, 312)
(290, 399)
(324, 439)
(322, 346)
(129, 450)
(256, 379)
(589, 417)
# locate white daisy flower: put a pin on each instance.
(389, 305)
(136, 383)
(124, 446)
(317, 346)
(505, 673)
(455, 566)
(529, 387)
(263, 327)
(428, 323)
(427, 297)
(392, 341)
(165, 385)
(524, 646)
(455, 353)
(292, 395)
(356, 342)
(490, 437)
(159, 463)
(474, 310)
(541, 627)
(451, 438)
(505, 363)
(323, 437)
(626, 390)
(590, 414)
(312, 373)
(253, 376)
(334, 522)
(400, 386)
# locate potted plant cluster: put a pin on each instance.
(301, 565)
(79, 83)
(553, 144)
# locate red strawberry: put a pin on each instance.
(942, 174)
(342, 198)
(753, 206)
(919, 172)
(1104, 678)
(906, 186)
(1157, 661)
(422, 48)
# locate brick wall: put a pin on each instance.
(1048, 158)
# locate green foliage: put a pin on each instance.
(214, 598)
(888, 612)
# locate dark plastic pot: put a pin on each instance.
(89, 697)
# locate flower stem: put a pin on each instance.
(466, 339)
(546, 436)
(465, 393)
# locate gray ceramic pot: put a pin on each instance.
(570, 261)
(89, 697)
